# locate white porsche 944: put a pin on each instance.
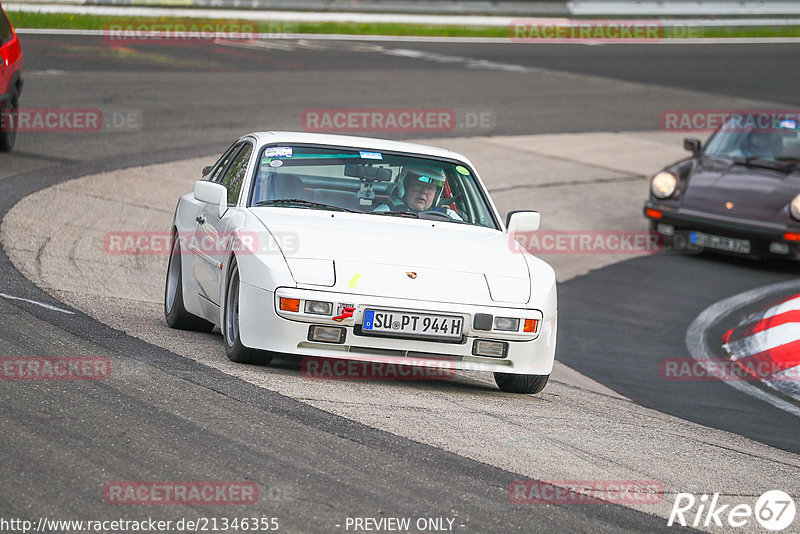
(363, 249)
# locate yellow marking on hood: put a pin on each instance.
(354, 280)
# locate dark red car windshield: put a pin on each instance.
(6, 33)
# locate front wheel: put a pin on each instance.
(230, 329)
(174, 310)
(512, 383)
(8, 124)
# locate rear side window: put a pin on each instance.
(5, 28)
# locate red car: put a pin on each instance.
(10, 82)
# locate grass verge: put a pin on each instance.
(22, 19)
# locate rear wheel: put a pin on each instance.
(174, 311)
(230, 329)
(511, 383)
(8, 124)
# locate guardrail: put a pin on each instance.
(521, 8)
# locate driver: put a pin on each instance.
(419, 188)
(764, 144)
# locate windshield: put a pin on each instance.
(779, 140)
(366, 181)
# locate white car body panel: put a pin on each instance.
(364, 260)
(456, 259)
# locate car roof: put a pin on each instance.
(355, 142)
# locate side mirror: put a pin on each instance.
(522, 221)
(692, 145)
(207, 169)
(212, 193)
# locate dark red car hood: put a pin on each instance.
(739, 190)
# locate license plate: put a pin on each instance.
(720, 243)
(412, 324)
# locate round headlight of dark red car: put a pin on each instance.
(794, 207)
(663, 184)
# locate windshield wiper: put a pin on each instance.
(397, 213)
(303, 203)
(791, 161)
(765, 163)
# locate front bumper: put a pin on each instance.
(262, 326)
(761, 234)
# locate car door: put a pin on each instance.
(212, 229)
(204, 262)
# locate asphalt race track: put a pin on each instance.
(168, 416)
(653, 325)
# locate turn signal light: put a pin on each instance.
(653, 214)
(791, 236)
(292, 305)
(530, 325)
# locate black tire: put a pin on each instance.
(8, 124)
(511, 383)
(174, 310)
(230, 326)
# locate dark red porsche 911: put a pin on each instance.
(738, 194)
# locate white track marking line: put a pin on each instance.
(42, 304)
(695, 341)
(472, 63)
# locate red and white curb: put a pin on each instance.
(699, 344)
(767, 345)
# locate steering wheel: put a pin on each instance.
(448, 200)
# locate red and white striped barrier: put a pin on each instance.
(767, 345)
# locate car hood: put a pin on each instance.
(399, 257)
(739, 190)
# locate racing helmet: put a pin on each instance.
(427, 174)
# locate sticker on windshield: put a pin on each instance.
(276, 163)
(462, 170)
(278, 152)
(370, 155)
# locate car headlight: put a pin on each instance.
(794, 207)
(663, 184)
(318, 307)
(506, 323)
